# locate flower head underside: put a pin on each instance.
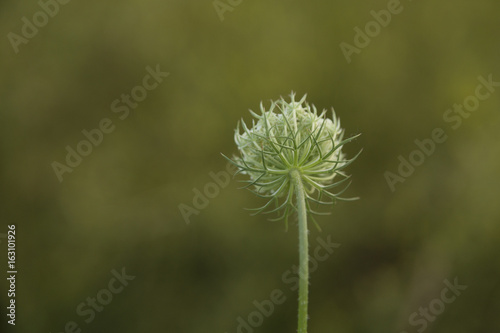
(292, 136)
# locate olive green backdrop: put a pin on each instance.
(121, 206)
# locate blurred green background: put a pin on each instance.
(120, 206)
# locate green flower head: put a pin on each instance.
(292, 137)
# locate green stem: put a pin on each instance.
(303, 250)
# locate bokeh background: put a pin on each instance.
(120, 206)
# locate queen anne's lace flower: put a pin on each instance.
(292, 137)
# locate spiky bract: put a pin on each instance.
(292, 136)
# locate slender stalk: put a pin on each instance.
(303, 250)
